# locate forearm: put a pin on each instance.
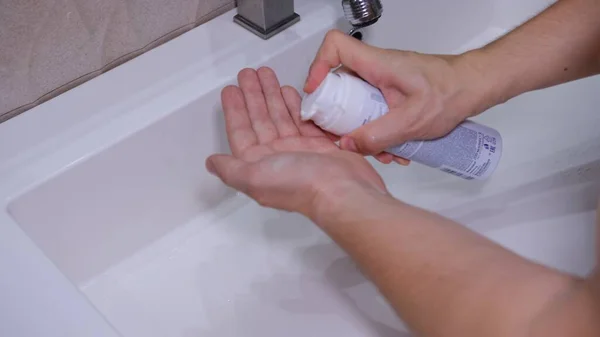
(559, 45)
(441, 278)
(577, 312)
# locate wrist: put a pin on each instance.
(349, 203)
(482, 88)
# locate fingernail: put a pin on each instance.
(210, 167)
(306, 88)
(384, 158)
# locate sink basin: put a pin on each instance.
(112, 226)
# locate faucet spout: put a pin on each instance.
(266, 18)
(362, 13)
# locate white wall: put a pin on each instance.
(507, 11)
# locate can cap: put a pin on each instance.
(323, 106)
(340, 104)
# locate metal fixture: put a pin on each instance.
(361, 13)
(266, 18)
(356, 33)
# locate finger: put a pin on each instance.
(384, 158)
(229, 169)
(338, 48)
(392, 129)
(240, 133)
(347, 143)
(276, 105)
(401, 161)
(293, 101)
(257, 107)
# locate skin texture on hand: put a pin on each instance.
(279, 160)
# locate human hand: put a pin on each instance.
(281, 161)
(428, 95)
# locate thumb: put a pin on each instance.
(394, 128)
(227, 168)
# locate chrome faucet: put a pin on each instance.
(362, 13)
(266, 18)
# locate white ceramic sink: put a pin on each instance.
(112, 226)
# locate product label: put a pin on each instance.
(469, 151)
(456, 173)
(465, 152)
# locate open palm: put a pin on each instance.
(277, 159)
